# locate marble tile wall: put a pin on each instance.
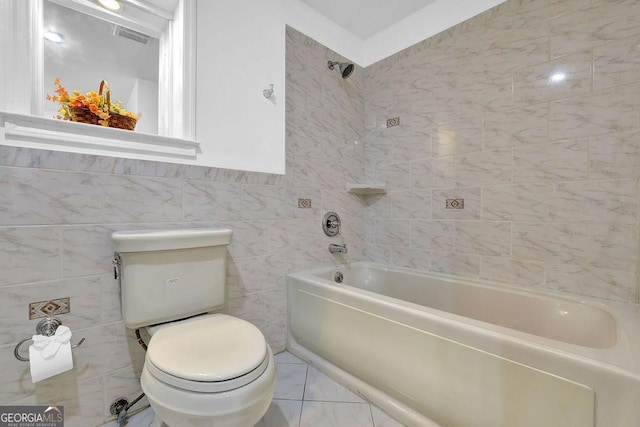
(531, 113)
(57, 211)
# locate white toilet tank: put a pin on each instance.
(167, 275)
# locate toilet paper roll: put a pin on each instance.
(49, 356)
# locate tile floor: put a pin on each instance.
(305, 397)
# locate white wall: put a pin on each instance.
(144, 98)
(432, 19)
(241, 50)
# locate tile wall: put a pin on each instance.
(530, 112)
(57, 211)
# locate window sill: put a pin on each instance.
(39, 132)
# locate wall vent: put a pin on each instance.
(130, 34)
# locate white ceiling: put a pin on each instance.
(364, 18)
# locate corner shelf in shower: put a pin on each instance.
(367, 189)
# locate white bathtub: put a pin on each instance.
(434, 350)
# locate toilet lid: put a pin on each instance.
(207, 349)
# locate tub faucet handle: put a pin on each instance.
(331, 224)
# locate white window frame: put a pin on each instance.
(22, 73)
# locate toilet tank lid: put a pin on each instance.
(162, 240)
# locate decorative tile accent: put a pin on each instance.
(455, 204)
(393, 122)
(304, 203)
(532, 113)
(49, 308)
(470, 195)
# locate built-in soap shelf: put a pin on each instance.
(367, 189)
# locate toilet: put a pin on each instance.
(201, 368)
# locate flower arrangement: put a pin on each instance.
(92, 107)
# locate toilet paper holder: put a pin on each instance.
(46, 327)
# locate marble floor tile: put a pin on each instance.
(320, 387)
(335, 414)
(282, 413)
(141, 419)
(291, 380)
(325, 403)
(286, 357)
(380, 419)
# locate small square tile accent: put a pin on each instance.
(455, 204)
(393, 122)
(49, 308)
(304, 203)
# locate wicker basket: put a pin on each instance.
(116, 120)
(122, 122)
(83, 115)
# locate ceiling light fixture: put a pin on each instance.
(110, 4)
(53, 36)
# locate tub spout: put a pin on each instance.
(337, 249)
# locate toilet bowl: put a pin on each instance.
(202, 368)
(213, 370)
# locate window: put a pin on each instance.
(169, 26)
(83, 49)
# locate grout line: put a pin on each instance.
(304, 390)
(373, 422)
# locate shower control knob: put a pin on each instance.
(331, 224)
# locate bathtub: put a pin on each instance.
(434, 350)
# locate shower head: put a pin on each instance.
(345, 68)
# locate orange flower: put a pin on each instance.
(92, 100)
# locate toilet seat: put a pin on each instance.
(211, 353)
